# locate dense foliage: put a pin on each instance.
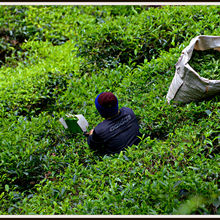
(206, 63)
(55, 60)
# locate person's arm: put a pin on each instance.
(95, 142)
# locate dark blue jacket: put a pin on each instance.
(113, 135)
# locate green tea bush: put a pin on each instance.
(31, 90)
(73, 54)
(141, 36)
(14, 31)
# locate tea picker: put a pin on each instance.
(118, 130)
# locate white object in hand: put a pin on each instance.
(62, 121)
(82, 122)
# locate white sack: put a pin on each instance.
(187, 85)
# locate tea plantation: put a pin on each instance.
(55, 60)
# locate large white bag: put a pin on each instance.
(187, 85)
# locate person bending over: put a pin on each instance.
(119, 129)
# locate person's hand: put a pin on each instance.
(91, 132)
